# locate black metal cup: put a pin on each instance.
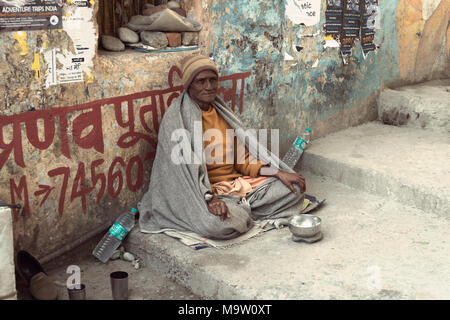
(77, 292)
(119, 285)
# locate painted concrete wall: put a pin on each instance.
(290, 90)
(76, 154)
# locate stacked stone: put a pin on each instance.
(159, 27)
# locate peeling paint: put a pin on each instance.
(44, 41)
(294, 78)
(90, 78)
(307, 85)
(315, 64)
(288, 57)
(21, 37)
(36, 66)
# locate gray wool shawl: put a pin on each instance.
(178, 193)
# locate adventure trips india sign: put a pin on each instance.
(17, 15)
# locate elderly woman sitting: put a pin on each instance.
(200, 180)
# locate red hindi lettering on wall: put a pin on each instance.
(86, 124)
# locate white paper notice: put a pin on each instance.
(66, 66)
(81, 30)
(303, 11)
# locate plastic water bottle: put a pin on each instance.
(295, 152)
(115, 235)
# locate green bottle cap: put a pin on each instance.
(134, 210)
(308, 129)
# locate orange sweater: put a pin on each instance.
(225, 171)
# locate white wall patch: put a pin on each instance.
(428, 7)
(288, 57)
(303, 11)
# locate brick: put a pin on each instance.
(174, 39)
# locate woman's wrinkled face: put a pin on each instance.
(203, 88)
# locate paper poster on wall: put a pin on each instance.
(351, 24)
(369, 12)
(348, 21)
(333, 19)
(305, 12)
(20, 15)
(73, 66)
(72, 71)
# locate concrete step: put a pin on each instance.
(143, 283)
(408, 165)
(373, 248)
(425, 105)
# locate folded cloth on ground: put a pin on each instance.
(196, 241)
(312, 204)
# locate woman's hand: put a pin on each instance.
(290, 178)
(218, 208)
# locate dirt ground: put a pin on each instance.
(143, 284)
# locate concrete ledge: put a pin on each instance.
(182, 264)
(373, 248)
(425, 105)
(408, 165)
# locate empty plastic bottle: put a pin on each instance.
(115, 235)
(295, 152)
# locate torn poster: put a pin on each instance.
(288, 57)
(351, 24)
(21, 15)
(350, 20)
(333, 19)
(66, 66)
(368, 14)
(305, 12)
